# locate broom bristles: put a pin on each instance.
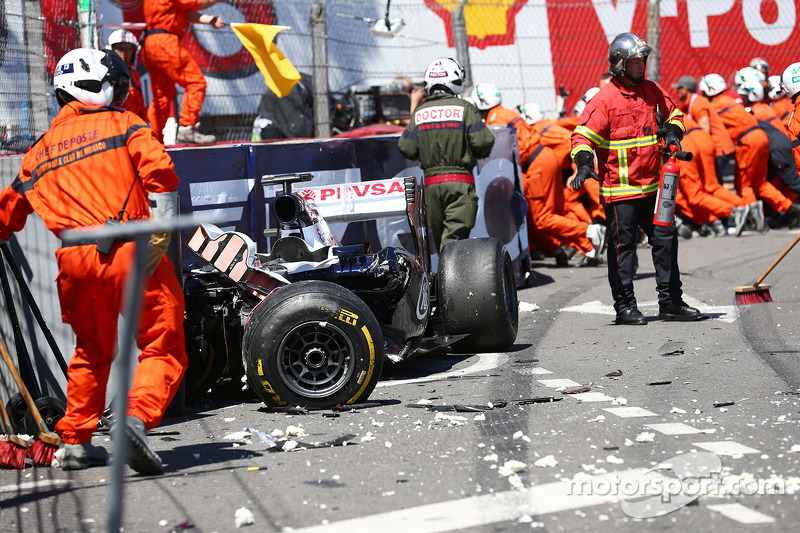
(753, 295)
(15, 456)
(42, 453)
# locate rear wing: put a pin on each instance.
(351, 202)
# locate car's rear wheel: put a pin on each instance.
(478, 295)
(312, 344)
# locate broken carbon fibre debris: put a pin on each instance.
(724, 404)
(659, 382)
(614, 374)
(543, 399)
(579, 390)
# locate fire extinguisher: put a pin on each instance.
(668, 187)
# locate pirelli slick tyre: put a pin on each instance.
(478, 295)
(312, 344)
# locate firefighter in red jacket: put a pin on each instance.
(619, 124)
(169, 63)
(95, 163)
(125, 45)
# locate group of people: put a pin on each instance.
(99, 163)
(618, 136)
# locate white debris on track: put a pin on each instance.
(619, 401)
(645, 437)
(452, 420)
(511, 467)
(295, 431)
(238, 435)
(243, 517)
(368, 437)
(520, 435)
(614, 460)
(525, 307)
(598, 418)
(546, 462)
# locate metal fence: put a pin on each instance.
(529, 48)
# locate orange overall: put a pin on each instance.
(549, 222)
(169, 63)
(783, 108)
(135, 100)
(559, 139)
(79, 174)
(752, 154)
(698, 181)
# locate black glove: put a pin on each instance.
(585, 163)
(672, 136)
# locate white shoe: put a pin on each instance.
(738, 217)
(597, 234)
(191, 135)
(757, 214)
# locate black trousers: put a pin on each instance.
(623, 220)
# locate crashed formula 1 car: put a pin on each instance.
(314, 320)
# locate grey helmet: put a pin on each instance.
(623, 47)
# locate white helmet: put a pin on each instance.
(751, 88)
(748, 75)
(712, 84)
(486, 96)
(444, 74)
(790, 80)
(581, 104)
(122, 36)
(531, 112)
(92, 77)
(774, 89)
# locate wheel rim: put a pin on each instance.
(315, 359)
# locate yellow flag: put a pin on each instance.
(279, 73)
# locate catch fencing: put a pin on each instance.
(531, 49)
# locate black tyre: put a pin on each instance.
(207, 360)
(312, 344)
(478, 295)
(17, 409)
(51, 410)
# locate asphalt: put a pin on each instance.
(410, 468)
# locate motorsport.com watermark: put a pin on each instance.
(673, 484)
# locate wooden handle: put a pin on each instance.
(778, 260)
(5, 419)
(18, 380)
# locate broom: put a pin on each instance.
(13, 449)
(758, 293)
(44, 449)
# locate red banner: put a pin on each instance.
(697, 37)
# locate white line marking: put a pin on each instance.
(726, 313)
(725, 447)
(592, 397)
(477, 511)
(629, 412)
(486, 362)
(531, 371)
(675, 428)
(30, 485)
(740, 513)
(556, 383)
